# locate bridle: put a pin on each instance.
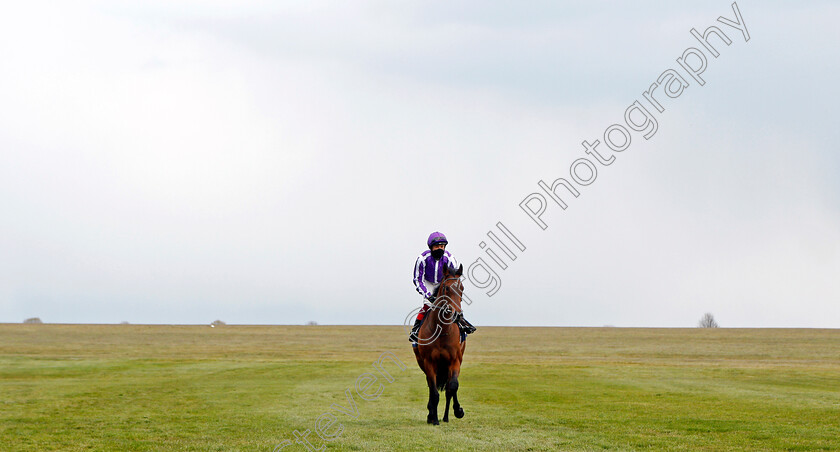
(448, 310)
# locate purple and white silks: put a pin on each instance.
(428, 272)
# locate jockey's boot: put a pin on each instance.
(414, 330)
(465, 326)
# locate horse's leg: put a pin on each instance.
(456, 409)
(452, 388)
(434, 397)
(446, 410)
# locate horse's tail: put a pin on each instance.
(442, 375)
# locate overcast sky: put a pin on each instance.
(281, 162)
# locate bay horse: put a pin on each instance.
(439, 350)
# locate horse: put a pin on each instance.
(439, 350)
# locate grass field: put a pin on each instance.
(143, 387)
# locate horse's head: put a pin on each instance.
(450, 290)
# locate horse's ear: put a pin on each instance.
(460, 270)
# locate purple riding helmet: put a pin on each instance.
(435, 238)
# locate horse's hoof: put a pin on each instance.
(446, 419)
(432, 421)
(459, 412)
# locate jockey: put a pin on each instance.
(428, 273)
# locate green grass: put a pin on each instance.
(141, 387)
